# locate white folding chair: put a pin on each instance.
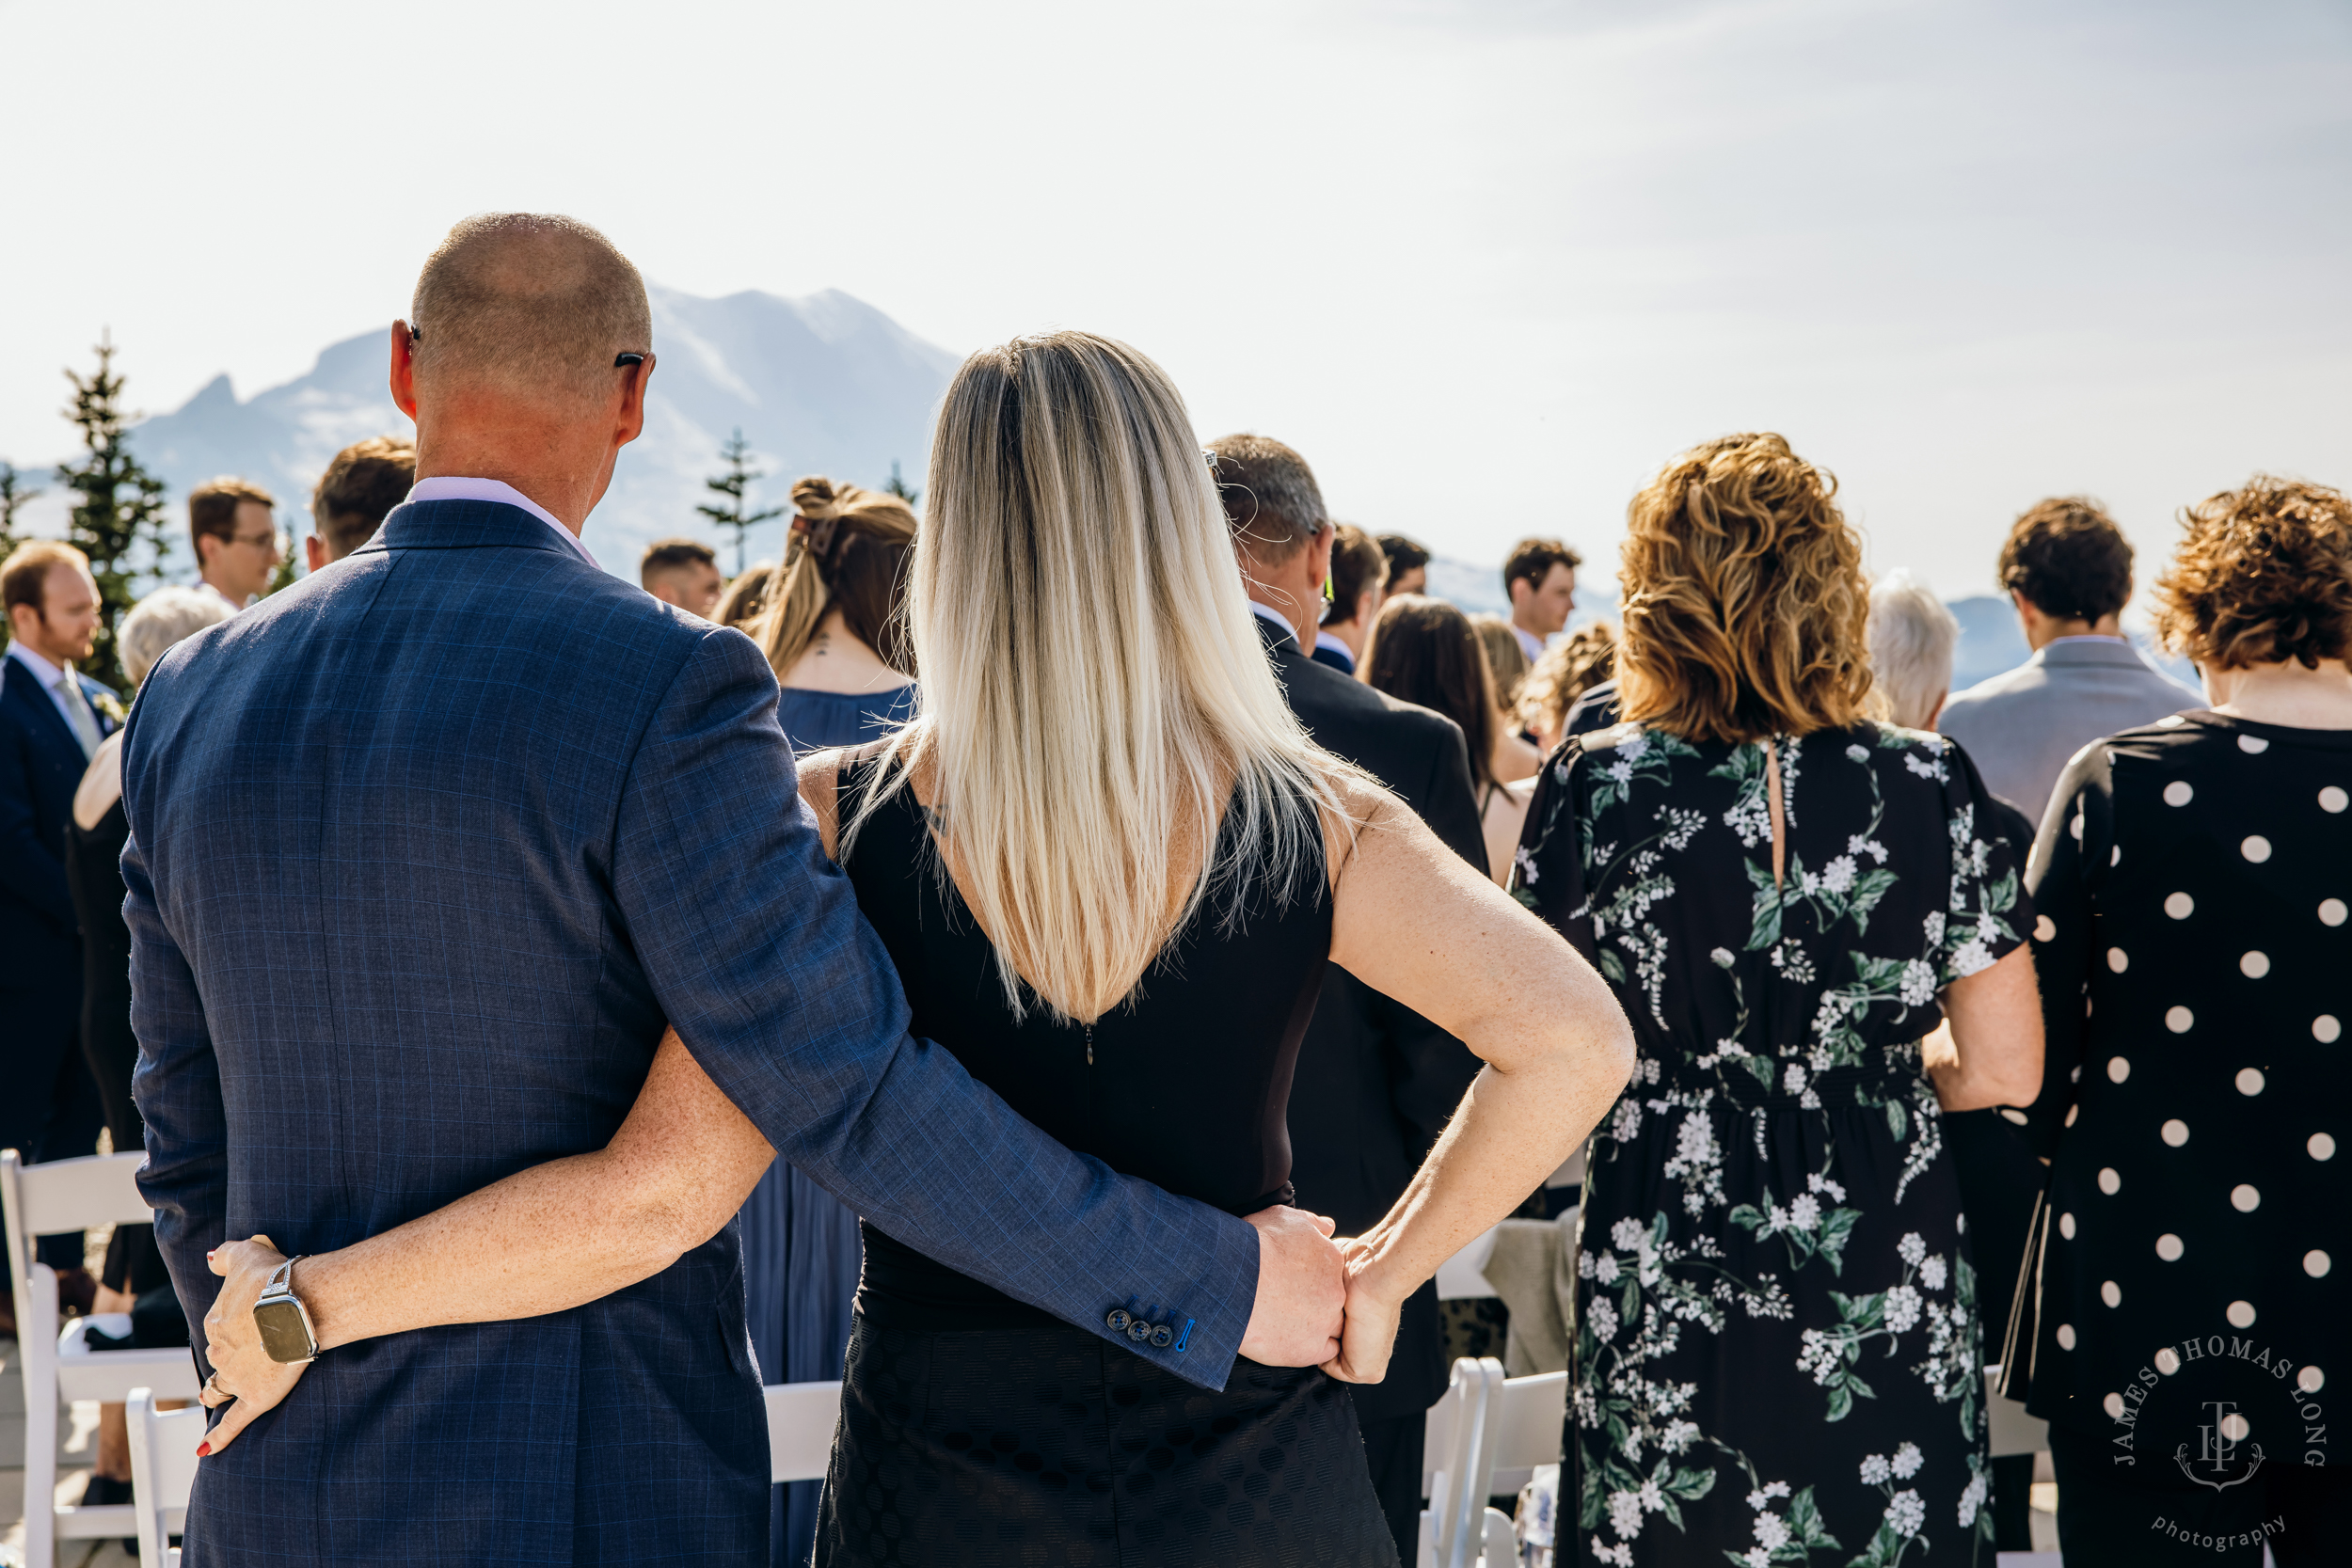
(1477, 1424)
(42, 1200)
(801, 1418)
(2014, 1431)
(163, 1471)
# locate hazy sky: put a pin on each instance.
(1487, 264)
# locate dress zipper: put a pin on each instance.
(1089, 1045)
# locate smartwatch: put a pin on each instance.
(285, 1322)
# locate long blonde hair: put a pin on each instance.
(846, 550)
(1095, 694)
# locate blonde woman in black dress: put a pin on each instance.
(2192, 880)
(1110, 868)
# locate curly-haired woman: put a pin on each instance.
(1777, 1351)
(2191, 880)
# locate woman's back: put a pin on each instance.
(1186, 1086)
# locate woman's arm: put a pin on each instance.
(541, 1240)
(1988, 1049)
(1414, 922)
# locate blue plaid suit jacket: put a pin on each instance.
(426, 851)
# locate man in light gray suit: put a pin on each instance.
(2068, 568)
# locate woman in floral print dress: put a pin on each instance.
(1778, 1357)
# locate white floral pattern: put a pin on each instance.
(1760, 1197)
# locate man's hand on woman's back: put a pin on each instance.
(1302, 1291)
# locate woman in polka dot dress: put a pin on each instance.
(2191, 881)
(1778, 1356)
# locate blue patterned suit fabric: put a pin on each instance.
(426, 851)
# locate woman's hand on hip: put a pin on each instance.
(244, 1379)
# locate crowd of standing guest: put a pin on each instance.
(1988, 1026)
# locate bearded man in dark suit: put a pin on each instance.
(52, 718)
(1377, 1081)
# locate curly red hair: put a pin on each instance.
(2262, 575)
(1746, 606)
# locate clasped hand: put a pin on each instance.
(1320, 1302)
(244, 1379)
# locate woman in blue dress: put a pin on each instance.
(834, 627)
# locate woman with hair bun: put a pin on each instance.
(2191, 877)
(1818, 938)
(833, 623)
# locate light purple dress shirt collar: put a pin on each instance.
(454, 489)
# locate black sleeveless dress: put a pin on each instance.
(1011, 1437)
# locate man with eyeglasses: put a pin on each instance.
(234, 528)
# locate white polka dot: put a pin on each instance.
(2066, 1335)
(2042, 928)
(2111, 1294)
(2109, 1181)
(2254, 965)
(2168, 1247)
(2066, 1226)
(2118, 959)
(2071, 1111)
(2179, 1019)
(2119, 1067)
(2115, 854)
(2012, 1114)
(2245, 1198)
(2075, 1073)
(2331, 912)
(2241, 1314)
(2256, 849)
(2334, 799)
(2310, 1380)
(2180, 906)
(2252, 745)
(2250, 1081)
(2178, 793)
(2075, 827)
(2174, 1132)
(2320, 1146)
(2316, 1263)
(2235, 1427)
(2325, 1029)
(2113, 1405)
(2168, 1361)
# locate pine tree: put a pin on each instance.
(899, 487)
(734, 484)
(119, 506)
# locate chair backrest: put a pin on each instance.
(65, 1195)
(1524, 1423)
(2014, 1431)
(802, 1418)
(163, 1468)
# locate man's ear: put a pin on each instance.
(631, 417)
(404, 370)
(314, 550)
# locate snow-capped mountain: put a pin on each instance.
(824, 384)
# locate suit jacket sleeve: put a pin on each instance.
(28, 867)
(1449, 802)
(177, 1082)
(757, 954)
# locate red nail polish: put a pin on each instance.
(204, 1450)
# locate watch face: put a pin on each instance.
(285, 1330)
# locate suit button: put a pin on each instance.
(1117, 1323)
(1138, 1331)
(1162, 1338)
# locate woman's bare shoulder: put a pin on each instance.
(820, 788)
